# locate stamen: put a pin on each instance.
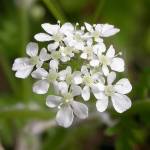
(118, 54)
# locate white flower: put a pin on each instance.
(66, 53)
(76, 40)
(54, 33)
(46, 78)
(116, 92)
(108, 59)
(101, 30)
(68, 107)
(24, 66)
(90, 49)
(69, 77)
(92, 82)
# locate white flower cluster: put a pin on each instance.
(96, 74)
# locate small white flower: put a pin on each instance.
(116, 92)
(24, 66)
(90, 49)
(54, 33)
(66, 53)
(108, 59)
(101, 30)
(93, 82)
(68, 107)
(76, 40)
(69, 77)
(46, 78)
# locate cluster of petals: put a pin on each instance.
(72, 88)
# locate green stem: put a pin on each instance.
(98, 10)
(26, 91)
(55, 10)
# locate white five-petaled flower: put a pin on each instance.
(90, 49)
(92, 82)
(68, 107)
(45, 78)
(70, 77)
(54, 33)
(116, 92)
(24, 66)
(108, 59)
(76, 39)
(100, 30)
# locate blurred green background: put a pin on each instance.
(27, 124)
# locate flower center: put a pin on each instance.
(68, 97)
(69, 78)
(57, 37)
(96, 34)
(104, 60)
(34, 60)
(56, 55)
(78, 38)
(52, 76)
(109, 90)
(88, 80)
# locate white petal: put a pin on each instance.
(53, 64)
(77, 79)
(98, 40)
(21, 63)
(110, 52)
(63, 87)
(62, 75)
(121, 102)
(42, 37)
(39, 64)
(79, 109)
(97, 90)
(123, 86)
(111, 77)
(84, 70)
(89, 42)
(49, 28)
(94, 62)
(76, 90)
(65, 116)
(44, 56)
(53, 46)
(108, 30)
(53, 101)
(105, 70)
(99, 48)
(88, 27)
(39, 73)
(41, 87)
(102, 104)
(117, 64)
(67, 28)
(79, 45)
(24, 73)
(65, 58)
(32, 49)
(86, 93)
(68, 70)
(83, 55)
(56, 87)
